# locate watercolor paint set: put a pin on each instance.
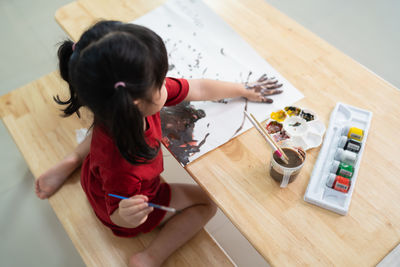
(296, 127)
(334, 176)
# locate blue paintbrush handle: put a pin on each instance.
(150, 204)
(120, 197)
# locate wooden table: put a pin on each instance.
(278, 223)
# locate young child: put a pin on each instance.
(118, 71)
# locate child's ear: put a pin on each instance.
(137, 103)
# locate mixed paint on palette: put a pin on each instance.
(201, 45)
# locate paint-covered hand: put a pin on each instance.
(135, 210)
(260, 90)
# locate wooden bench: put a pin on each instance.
(43, 137)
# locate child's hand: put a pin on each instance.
(134, 210)
(259, 90)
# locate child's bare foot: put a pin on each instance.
(142, 259)
(49, 182)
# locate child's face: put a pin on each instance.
(158, 100)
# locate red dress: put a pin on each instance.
(105, 171)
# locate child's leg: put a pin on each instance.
(178, 229)
(49, 182)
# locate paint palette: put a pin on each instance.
(296, 127)
(322, 188)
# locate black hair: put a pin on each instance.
(107, 53)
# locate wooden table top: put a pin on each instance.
(277, 222)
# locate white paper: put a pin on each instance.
(201, 45)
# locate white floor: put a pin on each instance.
(30, 233)
(366, 30)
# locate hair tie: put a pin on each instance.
(73, 47)
(119, 84)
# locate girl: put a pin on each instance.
(118, 71)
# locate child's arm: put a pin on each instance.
(204, 89)
(49, 182)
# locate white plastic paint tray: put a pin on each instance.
(307, 135)
(317, 192)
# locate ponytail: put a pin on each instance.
(65, 52)
(126, 128)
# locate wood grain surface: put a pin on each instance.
(286, 230)
(43, 137)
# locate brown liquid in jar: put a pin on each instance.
(295, 159)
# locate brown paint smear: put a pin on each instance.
(177, 123)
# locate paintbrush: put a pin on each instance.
(148, 203)
(278, 150)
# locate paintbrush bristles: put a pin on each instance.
(263, 132)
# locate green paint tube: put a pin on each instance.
(342, 169)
